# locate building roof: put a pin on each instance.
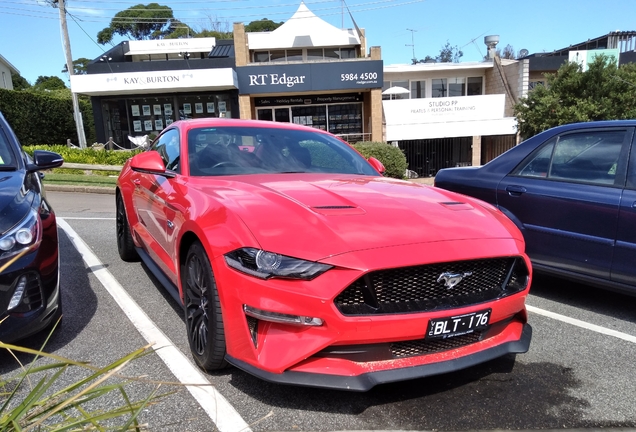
(9, 65)
(434, 67)
(303, 30)
(623, 40)
(223, 49)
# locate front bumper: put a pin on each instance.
(366, 381)
(40, 306)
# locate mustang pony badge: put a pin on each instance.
(452, 279)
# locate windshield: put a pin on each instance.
(252, 150)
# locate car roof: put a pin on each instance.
(219, 122)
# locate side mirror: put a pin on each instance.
(150, 162)
(43, 160)
(377, 165)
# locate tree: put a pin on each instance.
(79, 66)
(19, 82)
(151, 21)
(49, 83)
(603, 92)
(263, 25)
(447, 54)
(507, 53)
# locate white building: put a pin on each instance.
(6, 69)
(452, 114)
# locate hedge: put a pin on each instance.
(45, 118)
(88, 155)
(391, 157)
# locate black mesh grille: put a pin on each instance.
(423, 346)
(419, 288)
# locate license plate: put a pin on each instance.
(442, 328)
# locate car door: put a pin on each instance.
(624, 261)
(153, 198)
(565, 196)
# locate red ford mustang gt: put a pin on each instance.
(296, 261)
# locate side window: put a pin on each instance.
(538, 164)
(167, 145)
(585, 157)
(588, 157)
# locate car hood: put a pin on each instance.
(314, 217)
(15, 201)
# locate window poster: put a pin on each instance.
(146, 110)
(198, 108)
(222, 106)
(148, 124)
(168, 122)
(167, 108)
(137, 123)
(158, 124)
(210, 107)
(187, 108)
(156, 109)
(135, 110)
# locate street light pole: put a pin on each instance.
(77, 115)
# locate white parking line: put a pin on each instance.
(224, 416)
(582, 324)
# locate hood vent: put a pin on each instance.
(338, 210)
(456, 205)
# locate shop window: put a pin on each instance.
(345, 120)
(439, 87)
(261, 56)
(456, 87)
(403, 84)
(314, 54)
(332, 53)
(418, 89)
(346, 53)
(295, 55)
(314, 116)
(277, 56)
(475, 86)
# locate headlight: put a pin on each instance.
(265, 265)
(24, 235)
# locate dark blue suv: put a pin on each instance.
(29, 259)
(572, 192)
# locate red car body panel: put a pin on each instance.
(356, 223)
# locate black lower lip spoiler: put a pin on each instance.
(367, 381)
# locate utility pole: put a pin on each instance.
(412, 44)
(77, 115)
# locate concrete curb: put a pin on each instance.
(79, 189)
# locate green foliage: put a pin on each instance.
(40, 397)
(263, 25)
(447, 54)
(391, 157)
(79, 66)
(88, 155)
(151, 21)
(45, 117)
(49, 83)
(603, 92)
(214, 34)
(19, 82)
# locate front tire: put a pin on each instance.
(125, 244)
(203, 315)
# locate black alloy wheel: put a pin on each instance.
(204, 320)
(125, 245)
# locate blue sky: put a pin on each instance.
(31, 39)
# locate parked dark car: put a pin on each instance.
(572, 192)
(29, 263)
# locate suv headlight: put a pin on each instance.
(265, 265)
(25, 235)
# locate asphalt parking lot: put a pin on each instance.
(579, 372)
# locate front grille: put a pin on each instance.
(416, 289)
(423, 346)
